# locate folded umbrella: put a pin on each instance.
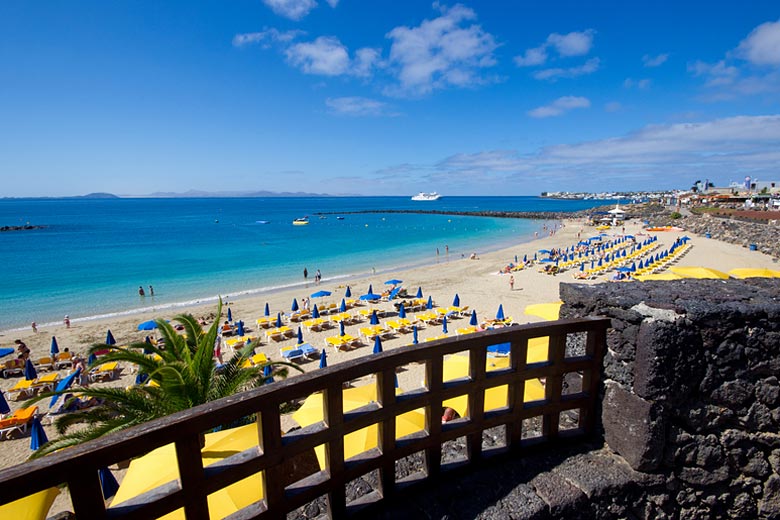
(429, 305)
(37, 435)
(456, 301)
(343, 306)
(230, 315)
(240, 328)
(415, 341)
(294, 306)
(4, 408)
(341, 328)
(348, 293)
(419, 293)
(29, 371)
(315, 312)
(148, 341)
(374, 318)
(473, 321)
(402, 311)
(54, 347)
(110, 338)
(500, 313)
(444, 324)
(370, 289)
(300, 335)
(278, 319)
(91, 359)
(108, 483)
(323, 359)
(268, 374)
(267, 310)
(377, 345)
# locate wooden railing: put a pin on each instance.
(78, 467)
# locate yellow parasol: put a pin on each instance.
(32, 507)
(699, 272)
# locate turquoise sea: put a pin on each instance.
(94, 253)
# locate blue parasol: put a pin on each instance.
(500, 313)
(300, 335)
(148, 341)
(343, 306)
(4, 408)
(230, 315)
(267, 310)
(320, 294)
(268, 374)
(456, 301)
(108, 483)
(323, 359)
(444, 324)
(473, 321)
(54, 347)
(37, 435)
(341, 328)
(29, 371)
(62, 385)
(396, 380)
(151, 324)
(525, 258)
(370, 296)
(91, 359)
(377, 345)
(294, 306)
(402, 311)
(394, 281)
(278, 319)
(315, 312)
(374, 318)
(370, 289)
(141, 378)
(110, 338)
(415, 341)
(240, 328)
(582, 266)
(419, 293)
(348, 293)
(429, 305)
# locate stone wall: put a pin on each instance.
(691, 392)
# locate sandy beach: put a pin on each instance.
(477, 282)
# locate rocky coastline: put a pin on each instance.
(26, 227)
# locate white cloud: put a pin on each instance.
(358, 106)
(656, 156)
(532, 57)
(292, 9)
(324, 56)
(332, 3)
(572, 44)
(553, 74)
(441, 52)
(266, 37)
(762, 45)
(654, 61)
(641, 84)
(716, 73)
(560, 106)
(613, 106)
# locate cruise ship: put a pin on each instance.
(426, 196)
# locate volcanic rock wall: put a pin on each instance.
(691, 392)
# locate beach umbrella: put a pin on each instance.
(394, 281)
(515, 258)
(294, 306)
(240, 327)
(4, 408)
(348, 293)
(323, 359)
(341, 328)
(300, 335)
(320, 294)
(151, 324)
(278, 319)
(374, 318)
(108, 483)
(640, 265)
(343, 306)
(402, 311)
(534, 256)
(525, 258)
(230, 315)
(29, 371)
(54, 347)
(315, 312)
(370, 289)
(429, 305)
(268, 374)
(444, 324)
(37, 435)
(473, 321)
(370, 296)
(415, 341)
(456, 301)
(141, 378)
(419, 293)
(147, 341)
(267, 310)
(62, 385)
(544, 251)
(91, 359)
(582, 266)
(110, 338)
(377, 345)
(623, 269)
(633, 266)
(500, 313)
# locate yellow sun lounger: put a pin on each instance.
(18, 421)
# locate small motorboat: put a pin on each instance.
(302, 221)
(262, 221)
(339, 218)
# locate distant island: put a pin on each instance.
(191, 194)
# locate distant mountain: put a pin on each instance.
(227, 194)
(97, 195)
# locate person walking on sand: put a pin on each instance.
(67, 321)
(141, 291)
(34, 327)
(511, 282)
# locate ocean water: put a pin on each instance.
(94, 253)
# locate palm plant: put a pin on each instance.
(182, 374)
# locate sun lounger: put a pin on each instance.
(13, 367)
(23, 388)
(340, 342)
(434, 338)
(309, 351)
(105, 372)
(399, 325)
(291, 353)
(64, 360)
(47, 383)
(44, 363)
(265, 321)
(465, 330)
(278, 334)
(257, 359)
(314, 324)
(17, 422)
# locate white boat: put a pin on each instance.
(426, 196)
(301, 221)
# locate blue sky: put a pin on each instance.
(386, 97)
